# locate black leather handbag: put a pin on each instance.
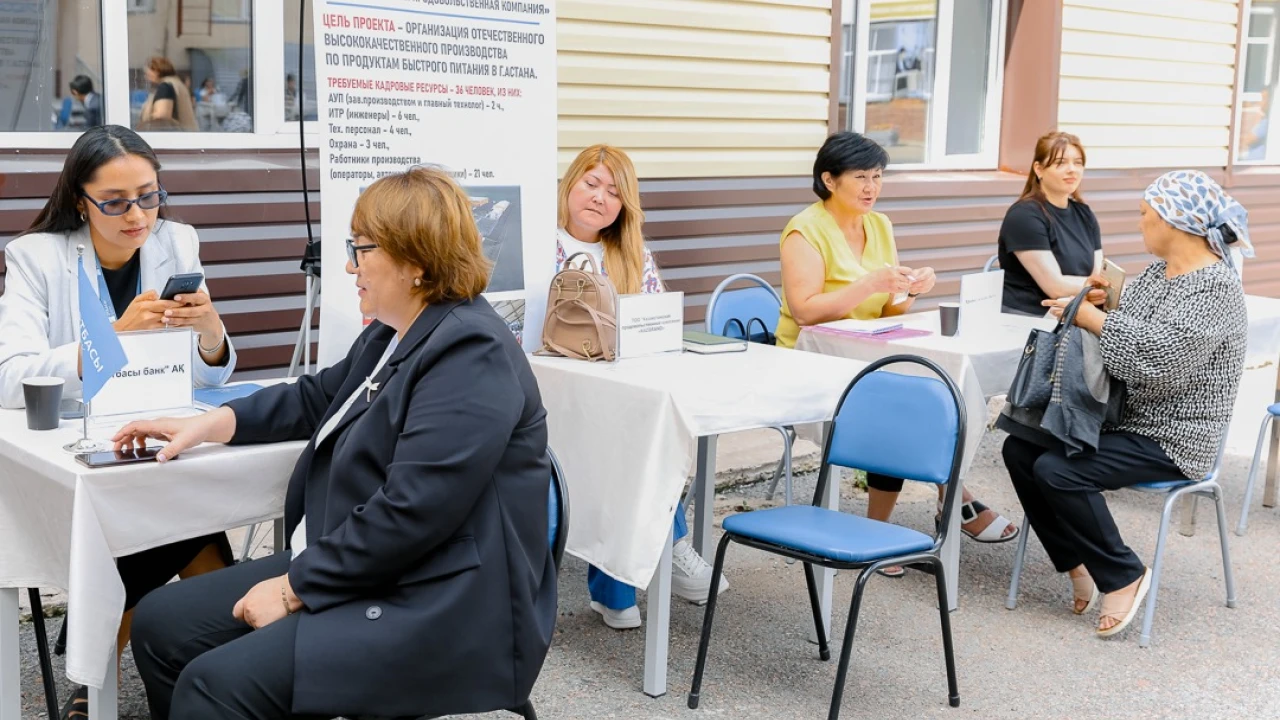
(764, 337)
(1033, 382)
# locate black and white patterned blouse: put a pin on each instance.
(1179, 344)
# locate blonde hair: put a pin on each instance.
(421, 218)
(623, 240)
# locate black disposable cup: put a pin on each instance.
(949, 314)
(43, 396)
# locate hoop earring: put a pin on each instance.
(83, 218)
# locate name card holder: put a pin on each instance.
(159, 377)
(981, 298)
(650, 324)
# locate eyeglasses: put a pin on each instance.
(120, 206)
(352, 249)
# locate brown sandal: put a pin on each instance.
(77, 706)
(1124, 615)
(1082, 587)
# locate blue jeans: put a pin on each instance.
(615, 594)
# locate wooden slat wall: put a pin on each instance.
(248, 211)
(701, 231)
(695, 88)
(1149, 84)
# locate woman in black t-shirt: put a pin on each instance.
(1050, 242)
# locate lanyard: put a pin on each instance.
(104, 293)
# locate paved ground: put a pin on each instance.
(1039, 661)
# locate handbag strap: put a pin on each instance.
(734, 321)
(764, 329)
(591, 262)
(1069, 314)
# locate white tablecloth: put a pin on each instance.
(984, 359)
(62, 524)
(624, 433)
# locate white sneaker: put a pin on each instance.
(691, 575)
(624, 619)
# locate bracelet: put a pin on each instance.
(284, 599)
(215, 348)
(911, 294)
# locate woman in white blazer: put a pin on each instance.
(109, 200)
(137, 251)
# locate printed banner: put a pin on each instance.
(466, 85)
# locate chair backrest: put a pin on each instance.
(1217, 460)
(557, 510)
(993, 263)
(758, 301)
(906, 426)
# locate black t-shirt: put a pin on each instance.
(164, 91)
(1071, 233)
(122, 283)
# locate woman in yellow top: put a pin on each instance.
(839, 261)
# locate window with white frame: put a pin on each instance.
(206, 74)
(926, 87)
(46, 50)
(1259, 77)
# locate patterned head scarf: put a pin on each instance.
(1192, 202)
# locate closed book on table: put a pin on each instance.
(708, 344)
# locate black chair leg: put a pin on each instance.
(60, 645)
(945, 615)
(695, 690)
(42, 647)
(846, 650)
(824, 651)
(526, 711)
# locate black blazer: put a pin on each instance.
(427, 579)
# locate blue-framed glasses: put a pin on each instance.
(352, 251)
(120, 206)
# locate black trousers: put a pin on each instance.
(884, 483)
(200, 663)
(145, 571)
(1063, 500)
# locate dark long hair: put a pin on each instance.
(1049, 148)
(96, 147)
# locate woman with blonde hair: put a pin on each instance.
(600, 216)
(169, 106)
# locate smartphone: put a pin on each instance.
(112, 458)
(1115, 278)
(181, 284)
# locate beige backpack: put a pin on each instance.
(582, 309)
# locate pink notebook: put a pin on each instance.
(899, 334)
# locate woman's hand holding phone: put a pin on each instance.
(180, 434)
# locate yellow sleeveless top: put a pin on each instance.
(819, 229)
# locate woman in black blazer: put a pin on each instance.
(418, 579)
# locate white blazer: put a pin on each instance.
(40, 307)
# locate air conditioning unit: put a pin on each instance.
(906, 82)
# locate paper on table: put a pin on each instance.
(981, 295)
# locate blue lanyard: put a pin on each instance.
(104, 293)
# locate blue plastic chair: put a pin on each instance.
(901, 425)
(736, 313)
(557, 535)
(1172, 490)
(1263, 434)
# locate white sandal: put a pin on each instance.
(1077, 585)
(1143, 585)
(992, 534)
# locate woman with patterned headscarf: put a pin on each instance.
(1177, 340)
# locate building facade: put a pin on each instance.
(721, 104)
